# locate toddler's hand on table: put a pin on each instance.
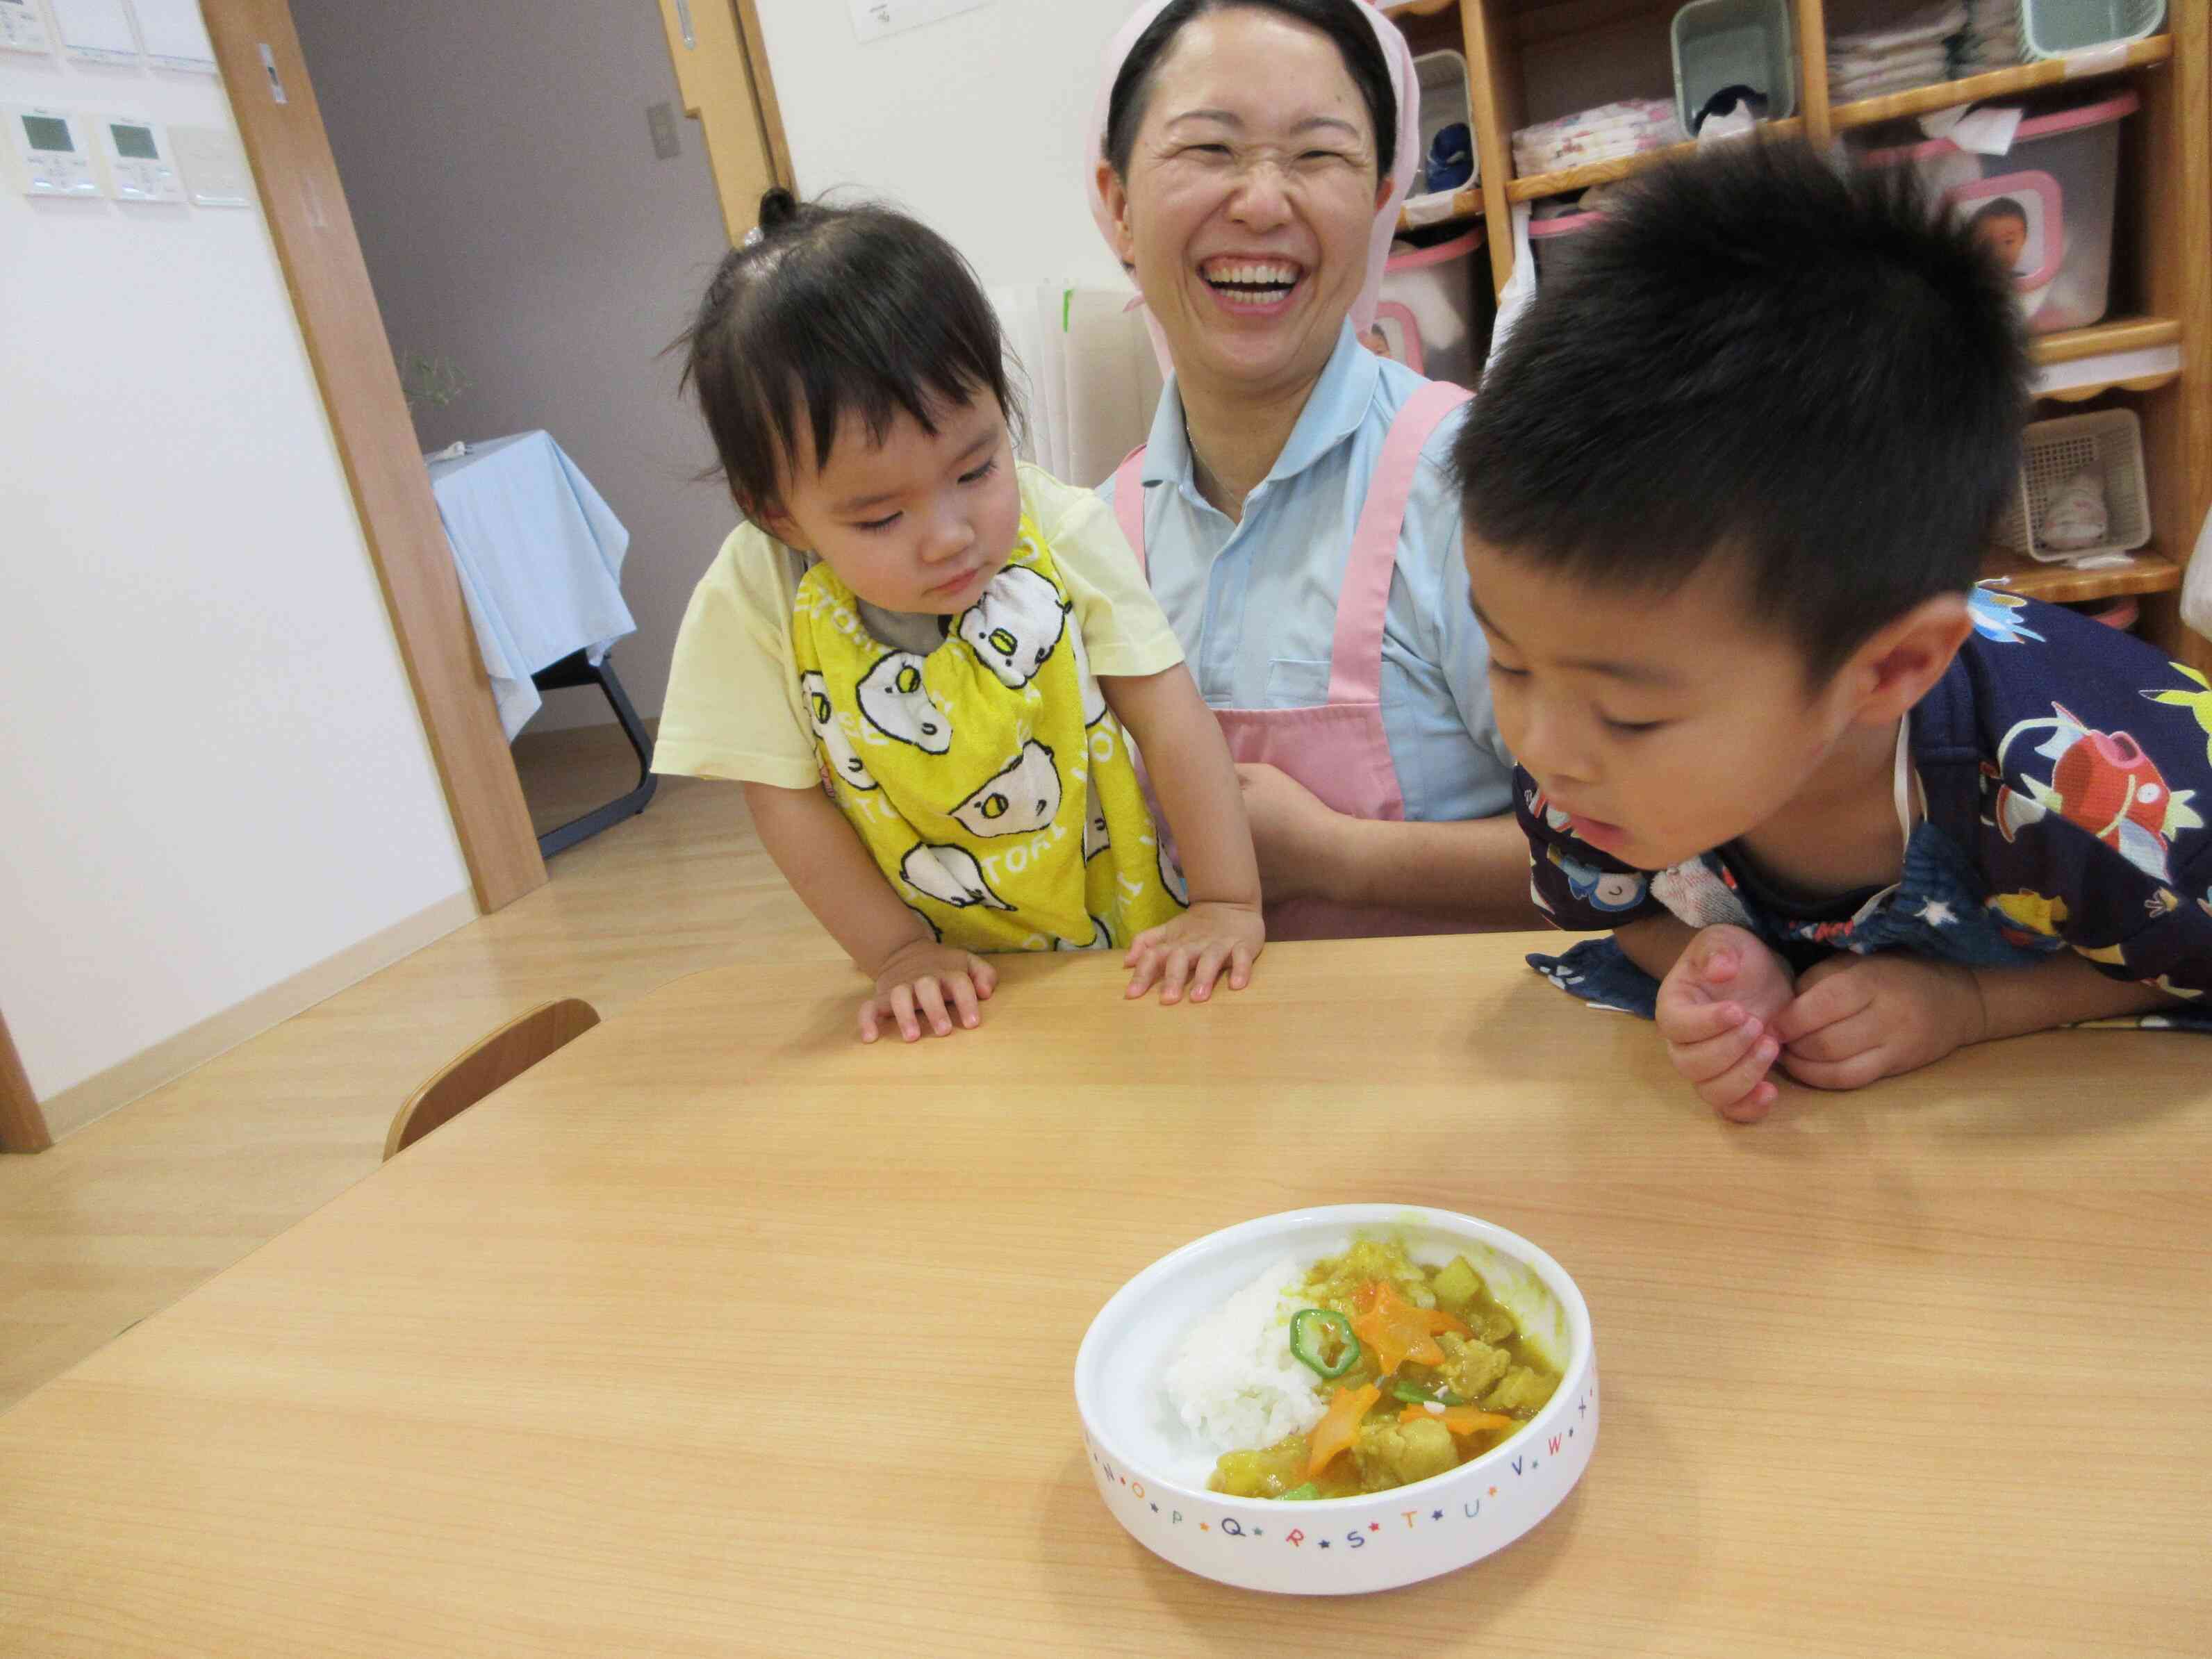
(917, 983)
(1855, 1020)
(1190, 953)
(1716, 1009)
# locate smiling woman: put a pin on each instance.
(1291, 507)
(1309, 141)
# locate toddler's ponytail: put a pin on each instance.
(778, 208)
(826, 312)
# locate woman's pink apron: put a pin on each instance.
(1340, 750)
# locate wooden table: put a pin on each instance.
(721, 1333)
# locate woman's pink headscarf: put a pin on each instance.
(1403, 84)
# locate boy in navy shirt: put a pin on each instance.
(1726, 492)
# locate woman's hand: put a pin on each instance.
(1716, 1009)
(917, 981)
(1294, 833)
(1190, 952)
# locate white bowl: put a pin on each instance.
(1152, 1471)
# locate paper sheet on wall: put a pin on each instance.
(874, 19)
(175, 37)
(23, 27)
(97, 31)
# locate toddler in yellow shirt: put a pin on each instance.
(926, 663)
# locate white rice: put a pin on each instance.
(1233, 1380)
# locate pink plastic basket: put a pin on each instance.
(2057, 185)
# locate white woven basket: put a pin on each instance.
(2108, 442)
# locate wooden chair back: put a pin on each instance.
(488, 1064)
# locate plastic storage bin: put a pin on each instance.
(1550, 242)
(2048, 204)
(1427, 312)
(2107, 443)
(1444, 100)
(2048, 27)
(1732, 43)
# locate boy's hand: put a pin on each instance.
(917, 982)
(1190, 952)
(1715, 1006)
(1858, 1018)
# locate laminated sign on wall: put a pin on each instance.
(174, 36)
(97, 31)
(874, 19)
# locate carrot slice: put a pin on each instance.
(1397, 1330)
(1460, 1419)
(1337, 1431)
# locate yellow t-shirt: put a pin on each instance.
(734, 708)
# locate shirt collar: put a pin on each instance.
(1334, 408)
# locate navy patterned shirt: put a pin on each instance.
(2067, 769)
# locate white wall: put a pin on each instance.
(974, 123)
(216, 777)
(496, 159)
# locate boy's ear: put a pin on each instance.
(1905, 657)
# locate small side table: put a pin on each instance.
(577, 669)
(539, 554)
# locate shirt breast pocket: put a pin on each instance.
(1295, 684)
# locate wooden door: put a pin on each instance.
(721, 73)
(282, 130)
(23, 1126)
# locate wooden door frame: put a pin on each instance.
(721, 60)
(280, 125)
(281, 128)
(23, 1126)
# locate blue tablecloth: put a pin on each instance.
(540, 558)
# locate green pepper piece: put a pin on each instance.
(1412, 1395)
(1304, 1494)
(1307, 1328)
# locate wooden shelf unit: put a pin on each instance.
(2147, 571)
(1465, 205)
(1531, 60)
(1997, 83)
(2116, 334)
(1567, 180)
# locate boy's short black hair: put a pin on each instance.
(1339, 19)
(1990, 212)
(1757, 355)
(833, 311)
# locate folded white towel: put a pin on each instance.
(1602, 134)
(1930, 23)
(1843, 64)
(1629, 112)
(2074, 514)
(1880, 86)
(1887, 89)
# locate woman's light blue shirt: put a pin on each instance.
(1254, 602)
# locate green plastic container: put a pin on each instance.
(2049, 28)
(1729, 43)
